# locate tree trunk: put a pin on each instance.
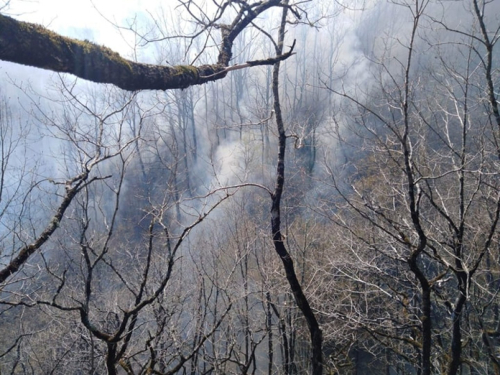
(300, 298)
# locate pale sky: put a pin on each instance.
(81, 19)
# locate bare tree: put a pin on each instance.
(424, 195)
(300, 298)
(110, 286)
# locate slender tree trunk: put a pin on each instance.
(300, 298)
(269, 322)
(111, 358)
(426, 331)
(456, 341)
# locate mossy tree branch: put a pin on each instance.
(34, 45)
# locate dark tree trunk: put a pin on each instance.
(300, 298)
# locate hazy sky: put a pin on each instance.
(82, 19)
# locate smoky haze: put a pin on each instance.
(164, 262)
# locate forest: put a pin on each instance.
(250, 187)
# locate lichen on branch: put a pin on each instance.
(34, 45)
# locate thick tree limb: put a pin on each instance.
(34, 45)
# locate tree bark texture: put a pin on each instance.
(34, 45)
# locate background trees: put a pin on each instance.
(427, 124)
